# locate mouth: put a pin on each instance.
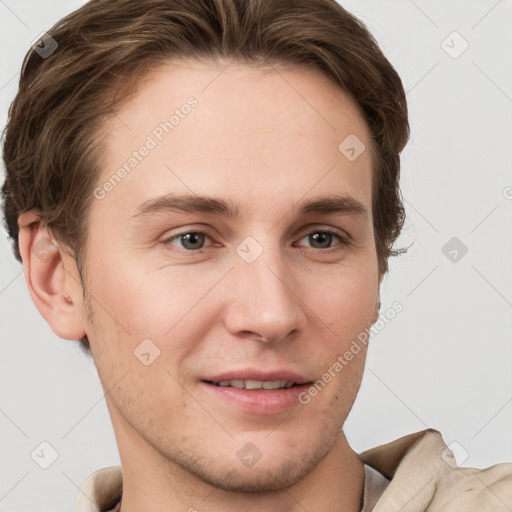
(262, 393)
(251, 384)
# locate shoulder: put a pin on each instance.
(101, 490)
(475, 489)
(424, 474)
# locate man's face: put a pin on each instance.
(183, 299)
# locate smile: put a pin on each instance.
(255, 384)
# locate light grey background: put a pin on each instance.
(444, 361)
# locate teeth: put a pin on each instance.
(256, 384)
(253, 384)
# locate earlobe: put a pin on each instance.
(45, 275)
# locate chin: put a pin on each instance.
(267, 474)
(255, 480)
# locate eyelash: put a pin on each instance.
(344, 241)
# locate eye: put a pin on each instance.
(190, 241)
(323, 239)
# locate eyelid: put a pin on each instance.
(326, 227)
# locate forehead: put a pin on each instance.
(208, 126)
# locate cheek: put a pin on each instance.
(341, 310)
(146, 301)
(159, 312)
(344, 300)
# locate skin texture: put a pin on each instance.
(266, 140)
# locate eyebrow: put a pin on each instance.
(193, 203)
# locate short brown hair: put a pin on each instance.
(51, 140)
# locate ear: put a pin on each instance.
(49, 283)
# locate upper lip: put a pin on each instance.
(259, 375)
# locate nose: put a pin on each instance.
(263, 301)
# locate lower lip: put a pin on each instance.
(271, 401)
